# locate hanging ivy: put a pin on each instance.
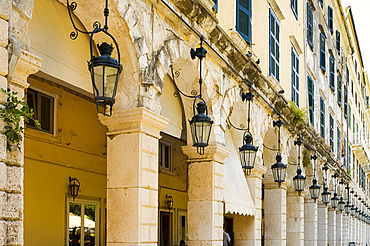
(11, 114)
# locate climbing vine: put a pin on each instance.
(11, 114)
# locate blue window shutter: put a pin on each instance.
(294, 6)
(345, 101)
(243, 19)
(295, 77)
(331, 130)
(322, 52)
(311, 99)
(339, 90)
(322, 117)
(339, 143)
(274, 46)
(337, 40)
(215, 7)
(330, 19)
(331, 71)
(309, 25)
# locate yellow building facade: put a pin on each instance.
(141, 181)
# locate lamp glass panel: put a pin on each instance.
(247, 158)
(341, 206)
(105, 80)
(325, 198)
(279, 174)
(315, 193)
(299, 184)
(200, 132)
(98, 80)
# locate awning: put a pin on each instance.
(237, 196)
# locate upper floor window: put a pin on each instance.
(339, 143)
(165, 156)
(215, 7)
(309, 25)
(345, 101)
(337, 40)
(347, 74)
(322, 52)
(331, 132)
(243, 19)
(295, 77)
(274, 46)
(43, 108)
(294, 6)
(339, 90)
(322, 117)
(331, 73)
(311, 99)
(330, 19)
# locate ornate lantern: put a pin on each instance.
(341, 205)
(169, 202)
(325, 196)
(279, 168)
(299, 179)
(314, 188)
(334, 201)
(104, 69)
(74, 185)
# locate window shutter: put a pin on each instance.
(215, 7)
(322, 117)
(331, 129)
(309, 25)
(311, 98)
(331, 75)
(338, 41)
(339, 90)
(243, 19)
(330, 19)
(322, 52)
(274, 46)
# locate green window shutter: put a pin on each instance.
(243, 19)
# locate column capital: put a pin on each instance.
(257, 172)
(27, 64)
(134, 120)
(215, 152)
(271, 184)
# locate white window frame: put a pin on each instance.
(56, 102)
(97, 219)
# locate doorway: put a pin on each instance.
(165, 229)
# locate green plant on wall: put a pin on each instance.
(300, 114)
(11, 114)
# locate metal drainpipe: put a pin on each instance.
(16, 48)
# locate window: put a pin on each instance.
(215, 7)
(309, 25)
(274, 46)
(43, 108)
(339, 144)
(322, 117)
(295, 77)
(322, 52)
(311, 100)
(294, 6)
(349, 115)
(339, 90)
(330, 19)
(321, 3)
(347, 74)
(165, 156)
(243, 19)
(331, 73)
(83, 214)
(345, 101)
(331, 132)
(337, 41)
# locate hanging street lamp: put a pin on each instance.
(248, 151)
(335, 199)
(279, 168)
(326, 194)
(314, 188)
(299, 179)
(341, 205)
(104, 69)
(201, 123)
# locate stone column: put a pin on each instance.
(310, 222)
(322, 225)
(205, 195)
(331, 226)
(275, 213)
(132, 176)
(346, 229)
(352, 238)
(295, 218)
(11, 162)
(339, 229)
(247, 229)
